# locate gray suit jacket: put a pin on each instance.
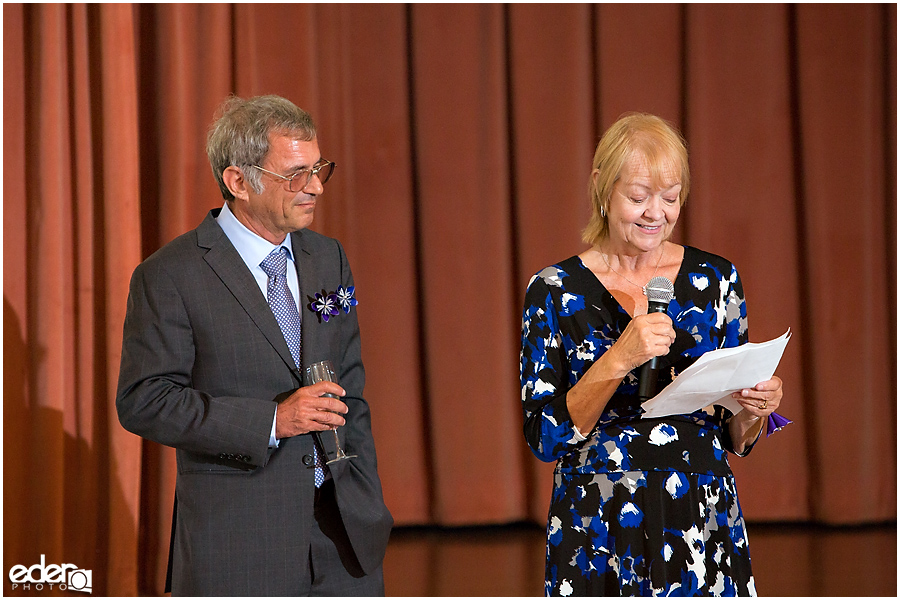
(203, 364)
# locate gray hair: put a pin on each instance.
(240, 136)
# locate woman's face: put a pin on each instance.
(642, 212)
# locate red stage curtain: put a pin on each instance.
(463, 136)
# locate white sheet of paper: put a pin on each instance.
(715, 376)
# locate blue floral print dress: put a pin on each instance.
(640, 507)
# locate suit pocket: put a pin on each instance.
(224, 463)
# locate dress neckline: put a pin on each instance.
(605, 291)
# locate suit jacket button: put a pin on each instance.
(223, 456)
(307, 459)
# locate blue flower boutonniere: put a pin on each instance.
(325, 305)
(328, 304)
(345, 297)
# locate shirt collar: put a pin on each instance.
(252, 248)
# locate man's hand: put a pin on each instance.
(308, 410)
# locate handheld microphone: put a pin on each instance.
(660, 292)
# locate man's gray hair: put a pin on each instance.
(240, 136)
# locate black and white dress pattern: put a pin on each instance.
(642, 507)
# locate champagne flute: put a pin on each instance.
(324, 371)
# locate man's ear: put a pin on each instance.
(235, 182)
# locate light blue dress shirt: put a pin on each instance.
(253, 249)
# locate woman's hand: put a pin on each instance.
(762, 400)
(758, 402)
(645, 337)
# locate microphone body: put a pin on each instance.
(660, 292)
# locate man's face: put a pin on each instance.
(277, 211)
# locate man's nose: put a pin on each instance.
(314, 186)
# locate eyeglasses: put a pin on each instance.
(300, 179)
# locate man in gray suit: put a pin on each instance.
(215, 339)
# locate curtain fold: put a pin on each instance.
(465, 281)
(463, 136)
(842, 156)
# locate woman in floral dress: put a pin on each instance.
(639, 506)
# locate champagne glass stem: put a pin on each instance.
(324, 371)
(337, 443)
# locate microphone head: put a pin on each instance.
(661, 290)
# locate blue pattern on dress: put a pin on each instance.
(605, 534)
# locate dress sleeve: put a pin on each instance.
(735, 333)
(549, 429)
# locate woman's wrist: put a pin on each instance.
(750, 418)
(613, 367)
(587, 399)
(752, 425)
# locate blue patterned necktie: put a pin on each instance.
(285, 309)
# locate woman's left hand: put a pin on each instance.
(762, 400)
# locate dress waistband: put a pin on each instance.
(686, 443)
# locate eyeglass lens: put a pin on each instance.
(323, 171)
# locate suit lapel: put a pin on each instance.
(307, 275)
(228, 265)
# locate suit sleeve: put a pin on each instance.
(155, 397)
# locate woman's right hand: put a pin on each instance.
(645, 337)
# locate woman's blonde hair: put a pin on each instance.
(654, 138)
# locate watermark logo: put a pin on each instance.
(65, 577)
